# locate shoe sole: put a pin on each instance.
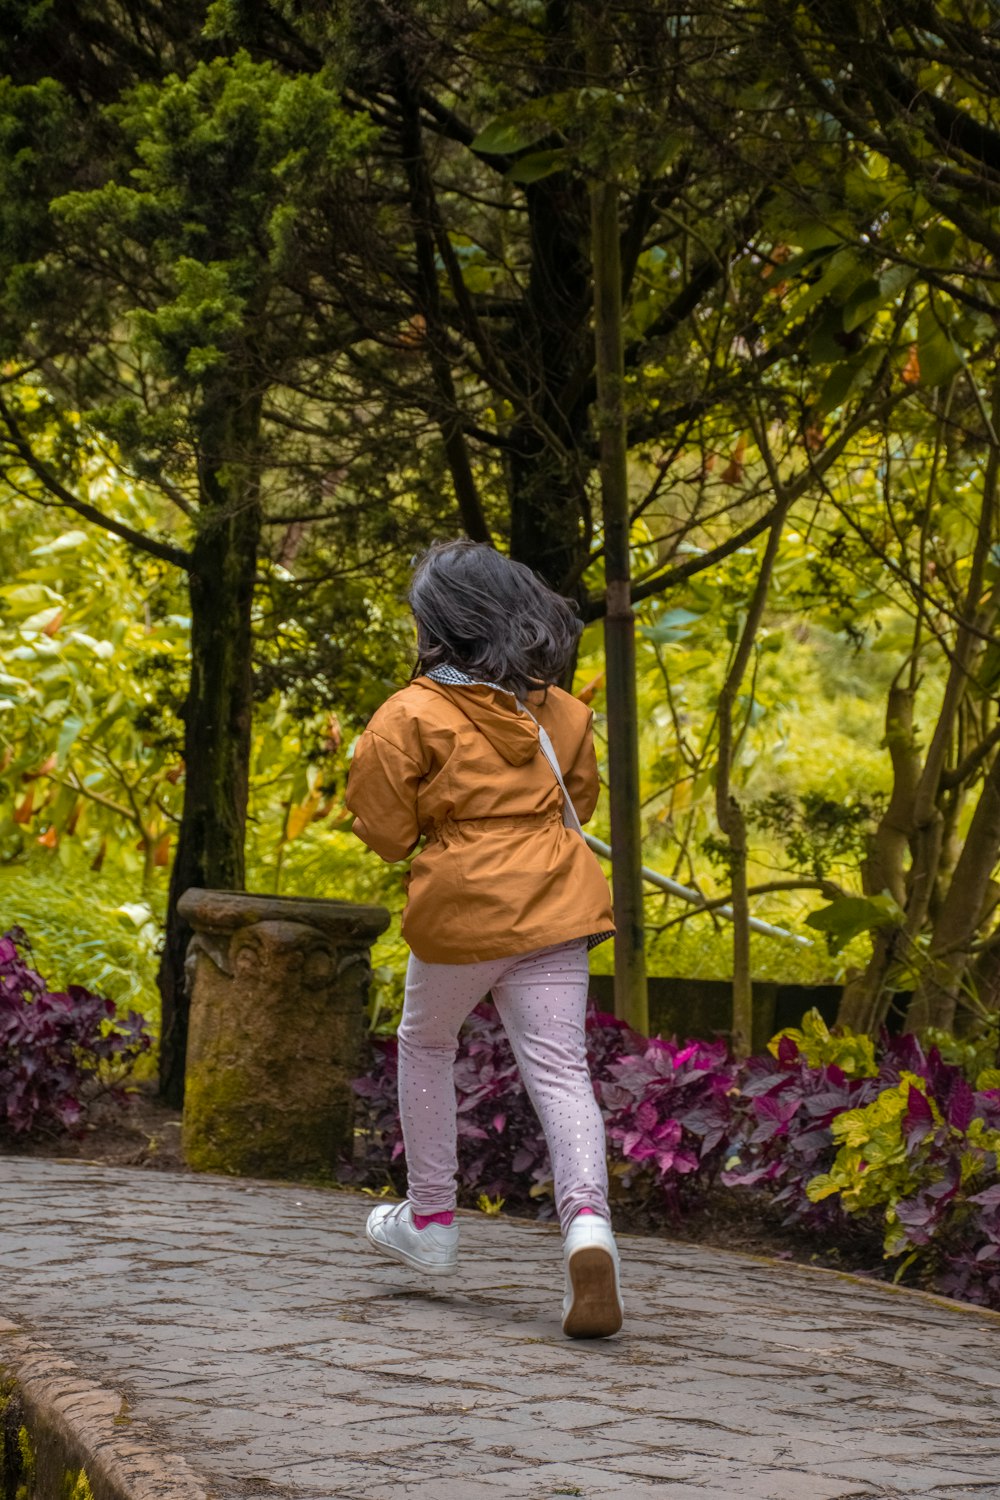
(596, 1311)
(429, 1269)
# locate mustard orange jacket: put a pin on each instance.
(461, 767)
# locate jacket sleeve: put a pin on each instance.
(382, 795)
(582, 780)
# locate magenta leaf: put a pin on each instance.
(56, 1048)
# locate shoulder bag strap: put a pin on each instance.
(570, 818)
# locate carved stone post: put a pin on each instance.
(278, 987)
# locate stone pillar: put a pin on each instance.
(278, 987)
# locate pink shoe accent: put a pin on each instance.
(580, 1213)
(421, 1221)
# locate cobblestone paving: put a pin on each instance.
(250, 1328)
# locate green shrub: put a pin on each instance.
(911, 1160)
(853, 1054)
(86, 929)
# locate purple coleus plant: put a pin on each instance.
(780, 1136)
(57, 1048)
(952, 1218)
(946, 1230)
(668, 1110)
(971, 1267)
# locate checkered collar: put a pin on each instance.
(452, 677)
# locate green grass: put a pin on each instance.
(86, 929)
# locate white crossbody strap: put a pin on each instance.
(570, 818)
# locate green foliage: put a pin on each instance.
(28, 1465)
(873, 1168)
(230, 163)
(809, 765)
(881, 1160)
(93, 652)
(853, 1055)
(77, 1486)
(176, 265)
(849, 916)
(107, 942)
(818, 832)
(976, 1054)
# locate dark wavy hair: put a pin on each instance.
(492, 618)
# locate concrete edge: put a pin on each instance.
(75, 1424)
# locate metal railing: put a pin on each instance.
(674, 888)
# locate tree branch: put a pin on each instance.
(793, 491)
(959, 774)
(164, 551)
(828, 888)
(421, 208)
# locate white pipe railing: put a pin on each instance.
(674, 888)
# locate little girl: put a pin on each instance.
(504, 896)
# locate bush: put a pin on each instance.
(780, 1135)
(109, 941)
(903, 1153)
(890, 1145)
(58, 1051)
(922, 1161)
(668, 1112)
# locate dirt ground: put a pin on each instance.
(145, 1134)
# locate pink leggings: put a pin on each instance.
(542, 1000)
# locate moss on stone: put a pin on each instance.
(226, 1130)
(76, 1485)
(8, 1391)
(26, 1478)
(274, 1041)
(20, 1476)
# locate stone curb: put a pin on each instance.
(76, 1424)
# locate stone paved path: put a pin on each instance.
(253, 1333)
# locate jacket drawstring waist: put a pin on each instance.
(500, 823)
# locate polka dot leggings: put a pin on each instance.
(542, 1000)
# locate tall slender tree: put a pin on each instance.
(158, 299)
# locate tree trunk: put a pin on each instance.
(962, 911)
(865, 1000)
(548, 461)
(984, 974)
(728, 811)
(423, 215)
(545, 513)
(219, 709)
(549, 352)
(921, 810)
(631, 1002)
(741, 1036)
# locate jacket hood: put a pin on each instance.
(512, 733)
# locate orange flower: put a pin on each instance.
(911, 370)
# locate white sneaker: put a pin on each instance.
(592, 1306)
(433, 1250)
